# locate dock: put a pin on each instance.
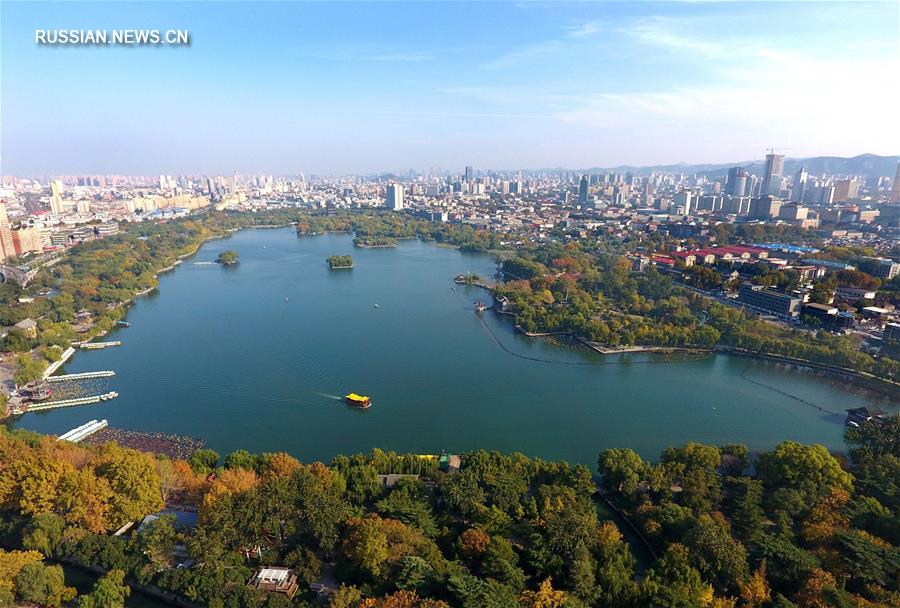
(51, 369)
(84, 431)
(99, 345)
(82, 376)
(50, 405)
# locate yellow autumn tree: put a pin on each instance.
(755, 590)
(545, 597)
(12, 562)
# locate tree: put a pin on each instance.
(500, 561)
(808, 469)
(877, 437)
(44, 533)
(156, 541)
(366, 544)
(28, 369)
(45, 585)
(109, 592)
(241, 459)
(755, 590)
(463, 493)
(473, 543)
(545, 597)
(204, 461)
(622, 471)
(84, 499)
(345, 597)
(414, 573)
(279, 464)
(673, 583)
(615, 568)
(717, 556)
(12, 562)
(134, 481)
(582, 580)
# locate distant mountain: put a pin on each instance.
(864, 164)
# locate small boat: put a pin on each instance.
(360, 401)
(480, 306)
(376, 306)
(286, 300)
(123, 324)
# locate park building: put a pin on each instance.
(275, 579)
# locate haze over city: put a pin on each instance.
(371, 87)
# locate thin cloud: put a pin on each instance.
(585, 30)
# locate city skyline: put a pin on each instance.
(380, 87)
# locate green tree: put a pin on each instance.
(44, 533)
(808, 469)
(673, 583)
(622, 471)
(717, 556)
(204, 461)
(109, 592)
(45, 585)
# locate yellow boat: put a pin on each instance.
(360, 401)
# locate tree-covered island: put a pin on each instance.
(374, 242)
(227, 258)
(337, 262)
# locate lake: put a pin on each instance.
(258, 355)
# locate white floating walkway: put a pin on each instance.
(82, 376)
(84, 431)
(99, 345)
(49, 405)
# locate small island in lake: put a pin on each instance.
(340, 261)
(374, 242)
(227, 258)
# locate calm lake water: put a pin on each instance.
(218, 353)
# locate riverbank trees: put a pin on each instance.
(598, 298)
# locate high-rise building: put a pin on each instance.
(6, 243)
(845, 190)
(771, 183)
(395, 197)
(740, 184)
(470, 173)
(895, 187)
(56, 206)
(731, 182)
(799, 185)
(583, 186)
(683, 201)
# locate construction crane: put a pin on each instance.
(771, 149)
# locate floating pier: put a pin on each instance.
(99, 345)
(82, 376)
(84, 431)
(50, 405)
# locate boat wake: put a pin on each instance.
(335, 397)
(203, 263)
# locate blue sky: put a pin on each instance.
(364, 87)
